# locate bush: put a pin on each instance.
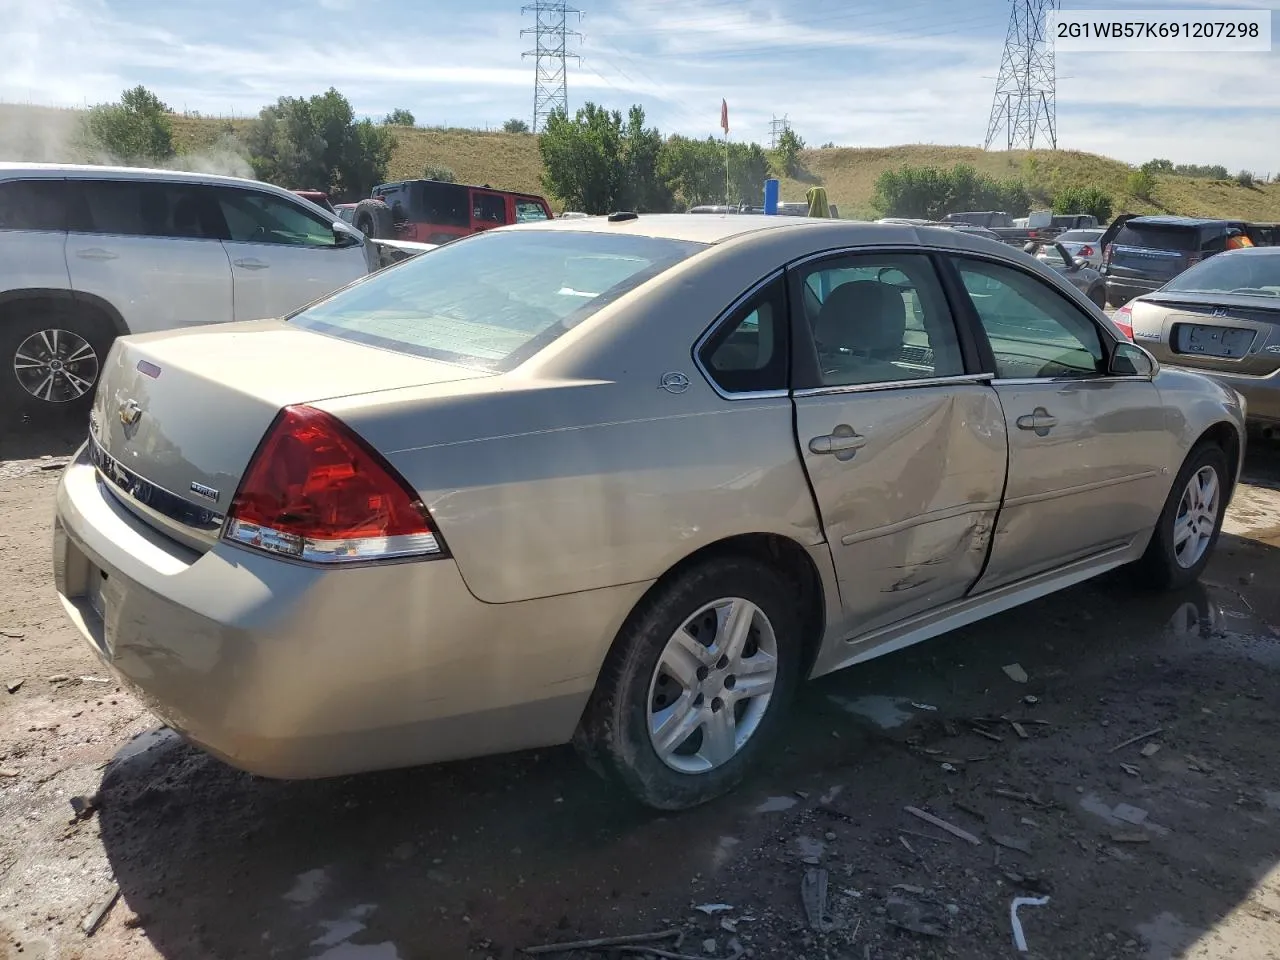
(786, 156)
(135, 130)
(1206, 171)
(399, 117)
(438, 171)
(1141, 183)
(1089, 200)
(932, 193)
(1245, 179)
(515, 126)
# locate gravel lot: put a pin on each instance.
(1167, 847)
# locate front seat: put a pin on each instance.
(859, 332)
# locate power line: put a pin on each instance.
(550, 52)
(1025, 102)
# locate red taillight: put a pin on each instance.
(1086, 251)
(1123, 318)
(1106, 254)
(315, 491)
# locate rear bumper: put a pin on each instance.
(286, 670)
(1124, 289)
(1261, 394)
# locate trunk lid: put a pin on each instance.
(1211, 332)
(178, 415)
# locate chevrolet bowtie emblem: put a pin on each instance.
(130, 412)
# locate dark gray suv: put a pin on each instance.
(1142, 254)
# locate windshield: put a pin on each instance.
(1080, 236)
(1245, 274)
(493, 301)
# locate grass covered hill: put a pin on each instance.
(511, 161)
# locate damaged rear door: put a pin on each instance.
(902, 437)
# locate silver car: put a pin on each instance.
(1084, 244)
(1080, 273)
(622, 481)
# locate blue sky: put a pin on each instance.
(856, 72)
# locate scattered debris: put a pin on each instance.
(12, 636)
(1015, 795)
(1130, 769)
(925, 836)
(1129, 814)
(59, 678)
(1015, 673)
(776, 804)
(8, 772)
(1027, 881)
(1151, 749)
(813, 892)
(1131, 838)
(955, 831)
(729, 926)
(1133, 740)
(985, 733)
(54, 465)
(1198, 765)
(1011, 843)
(1019, 729)
(709, 946)
(15, 686)
(971, 810)
(914, 917)
(99, 913)
(713, 908)
(924, 706)
(108, 680)
(909, 888)
(1030, 700)
(84, 806)
(950, 768)
(634, 939)
(1019, 940)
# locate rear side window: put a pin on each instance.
(492, 301)
(1159, 237)
(442, 204)
(33, 205)
(145, 208)
(529, 210)
(747, 353)
(263, 218)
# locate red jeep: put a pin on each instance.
(429, 211)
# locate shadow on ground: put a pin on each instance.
(480, 858)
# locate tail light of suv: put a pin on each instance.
(315, 491)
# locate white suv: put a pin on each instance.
(88, 254)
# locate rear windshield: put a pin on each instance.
(1080, 236)
(1243, 274)
(1159, 237)
(495, 299)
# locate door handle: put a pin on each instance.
(250, 263)
(1040, 421)
(842, 443)
(96, 253)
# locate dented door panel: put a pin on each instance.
(909, 500)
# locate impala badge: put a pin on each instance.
(207, 492)
(674, 382)
(130, 412)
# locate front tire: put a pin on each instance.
(1190, 522)
(1098, 296)
(696, 684)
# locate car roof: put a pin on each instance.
(1163, 220)
(10, 169)
(700, 228)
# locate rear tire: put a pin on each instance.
(373, 218)
(1098, 296)
(51, 358)
(1190, 522)
(685, 703)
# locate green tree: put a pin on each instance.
(787, 154)
(1245, 179)
(1089, 200)
(317, 142)
(399, 117)
(642, 189)
(438, 171)
(693, 170)
(1141, 183)
(135, 130)
(930, 192)
(1159, 166)
(582, 158)
(515, 126)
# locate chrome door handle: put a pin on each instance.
(842, 442)
(251, 264)
(96, 253)
(1040, 421)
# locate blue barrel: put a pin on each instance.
(771, 189)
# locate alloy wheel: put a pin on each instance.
(712, 685)
(56, 366)
(1197, 517)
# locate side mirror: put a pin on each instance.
(1130, 360)
(345, 235)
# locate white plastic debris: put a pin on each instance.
(713, 908)
(1019, 940)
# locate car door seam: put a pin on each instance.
(1080, 488)
(933, 516)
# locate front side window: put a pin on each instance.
(748, 351)
(492, 301)
(33, 205)
(263, 218)
(878, 318)
(146, 208)
(529, 210)
(1034, 330)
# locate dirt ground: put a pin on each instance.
(1166, 847)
